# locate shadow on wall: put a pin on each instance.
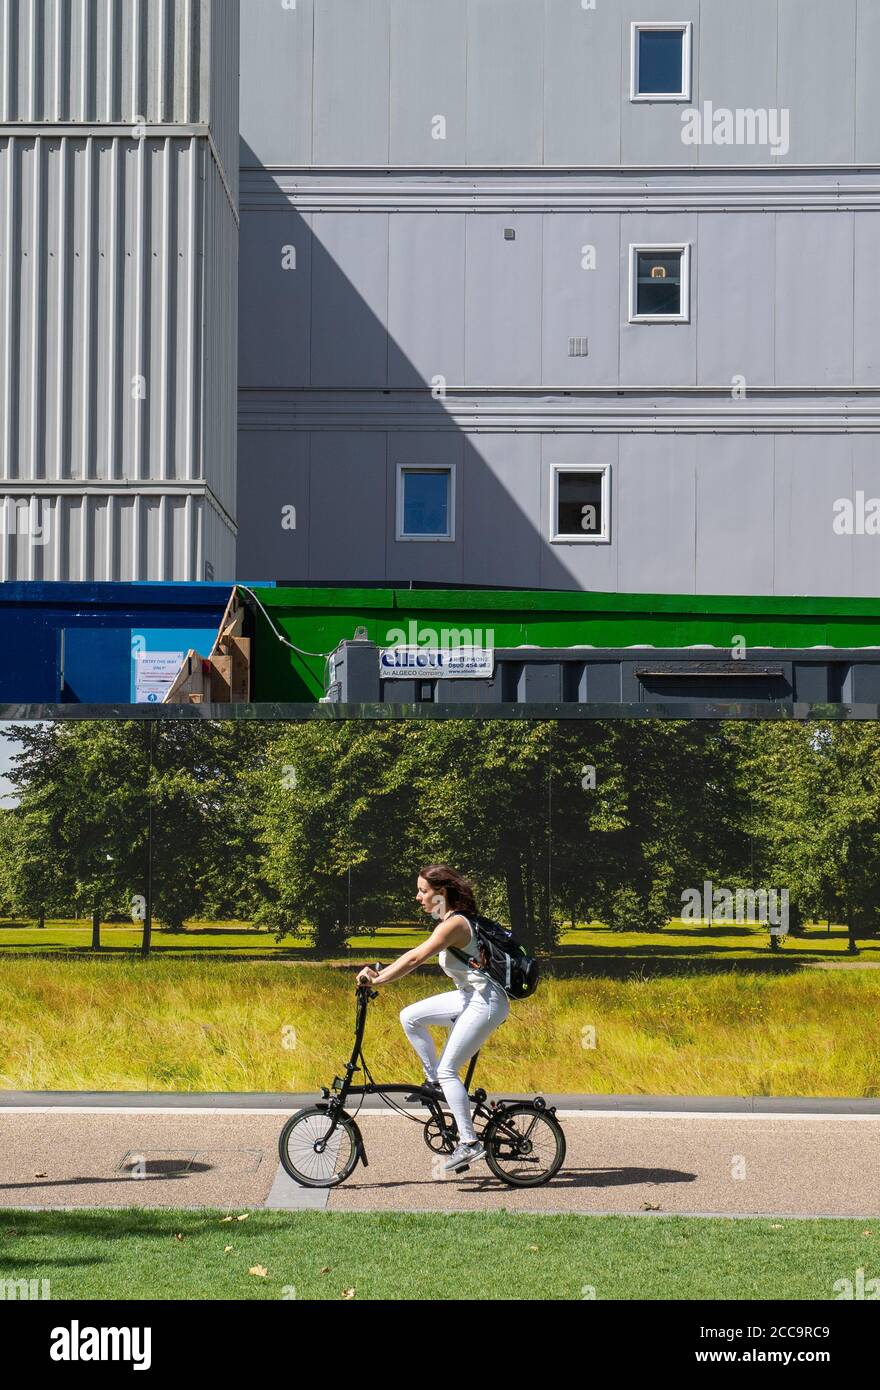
(331, 406)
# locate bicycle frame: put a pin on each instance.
(343, 1086)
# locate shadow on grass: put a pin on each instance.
(137, 1221)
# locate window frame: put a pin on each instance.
(684, 313)
(683, 27)
(402, 468)
(602, 537)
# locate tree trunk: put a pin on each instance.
(147, 937)
(851, 931)
(529, 904)
(516, 903)
(543, 925)
(329, 935)
(96, 930)
(41, 921)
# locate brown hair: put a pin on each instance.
(459, 892)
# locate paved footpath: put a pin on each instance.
(625, 1154)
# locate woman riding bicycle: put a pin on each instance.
(473, 1010)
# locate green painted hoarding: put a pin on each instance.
(317, 620)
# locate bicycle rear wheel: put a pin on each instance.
(312, 1155)
(525, 1146)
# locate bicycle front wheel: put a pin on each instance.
(525, 1146)
(312, 1154)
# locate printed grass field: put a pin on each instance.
(140, 1254)
(721, 942)
(166, 1025)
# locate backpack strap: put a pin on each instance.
(460, 954)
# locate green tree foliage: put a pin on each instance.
(814, 791)
(319, 828)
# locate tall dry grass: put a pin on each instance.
(167, 1025)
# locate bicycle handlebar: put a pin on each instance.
(372, 993)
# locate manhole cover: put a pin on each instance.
(167, 1163)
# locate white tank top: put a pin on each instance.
(463, 975)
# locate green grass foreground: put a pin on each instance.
(171, 1025)
(139, 1254)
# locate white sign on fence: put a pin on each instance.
(154, 675)
(447, 663)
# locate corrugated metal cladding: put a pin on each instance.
(224, 93)
(219, 395)
(167, 62)
(118, 288)
(117, 279)
(123, 536)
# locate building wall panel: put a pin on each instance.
(275, 336)
(428, 81)
(349, 314)
(738, 61)
(351, 100)
(814, 299)
(582, 107)
(277, 74)
(426, 328)
(503, 300)
(505, 85)
(817, 56)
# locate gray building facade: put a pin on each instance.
(561, 294)
(118, 289)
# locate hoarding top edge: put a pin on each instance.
(697, 709)
(568, 600)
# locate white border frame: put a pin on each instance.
(425, 468)
(684, 314)
(683, 27)
(599, 538)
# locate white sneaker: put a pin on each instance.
(465, 1154)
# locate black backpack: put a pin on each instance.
(502, 958)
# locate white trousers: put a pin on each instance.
(471, 1016)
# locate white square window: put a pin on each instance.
(659, 283)
(425, 503)
(660, 62)
(580, 502)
